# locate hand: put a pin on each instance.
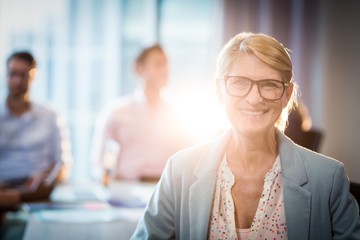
(9, 199)
(42, 192)
(32, 184)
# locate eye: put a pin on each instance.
(239, 82)
(269, 85)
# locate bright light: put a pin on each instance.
(201, 113)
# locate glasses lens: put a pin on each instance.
(12, 74)
(238, 86)
(271, 89)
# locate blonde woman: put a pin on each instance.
(252, 182)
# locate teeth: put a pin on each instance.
(253, 113)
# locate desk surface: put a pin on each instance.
(93, 223)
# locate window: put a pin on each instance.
(85, 52)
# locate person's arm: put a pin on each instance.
(344, 209)
(9, 199)
(62, 157)
(158, 220)
(39, 192)
(102, 133)
(40, 186)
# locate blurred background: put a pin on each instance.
(85, 50)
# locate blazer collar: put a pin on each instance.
(202, 190)
(297, 200)
(292, 166)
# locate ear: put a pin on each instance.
(220, 90)
(32, 74)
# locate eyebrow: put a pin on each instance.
(272, 79)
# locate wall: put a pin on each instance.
(86, 49)
(341, 84)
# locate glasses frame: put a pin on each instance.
(257, 82)
(21, 74)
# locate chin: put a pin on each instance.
(253, 127)
(17, 93)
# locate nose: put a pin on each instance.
(254, 97)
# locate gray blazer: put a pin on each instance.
(318, 204)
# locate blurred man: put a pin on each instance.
(141, 124)
(34, 149)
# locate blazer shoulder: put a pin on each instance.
(309, 158)
(321, 170)
(314, 159)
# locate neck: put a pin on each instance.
(253, 151)
(18, 104)
(153, 97)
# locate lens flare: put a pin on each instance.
(201, 113)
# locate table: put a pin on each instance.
(92, 222)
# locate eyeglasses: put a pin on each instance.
(21, 74)
(269, 89)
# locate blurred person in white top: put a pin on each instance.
(142, 125)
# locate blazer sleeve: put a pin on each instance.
(344, 209)
(158, 219)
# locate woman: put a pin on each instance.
(252, 182)
(139, 123)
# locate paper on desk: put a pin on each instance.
(42, 206)
(84, 216)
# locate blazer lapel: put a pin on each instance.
(201, 196)
(297, 200)
(202, 190)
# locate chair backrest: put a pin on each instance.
(310, 139)
(355, 191)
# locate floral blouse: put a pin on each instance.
(269, 222)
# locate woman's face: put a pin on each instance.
(252, 114)
(154, 70)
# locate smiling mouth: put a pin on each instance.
(252, 113)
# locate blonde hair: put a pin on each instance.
(268, 50)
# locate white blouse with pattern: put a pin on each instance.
(269, 222)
